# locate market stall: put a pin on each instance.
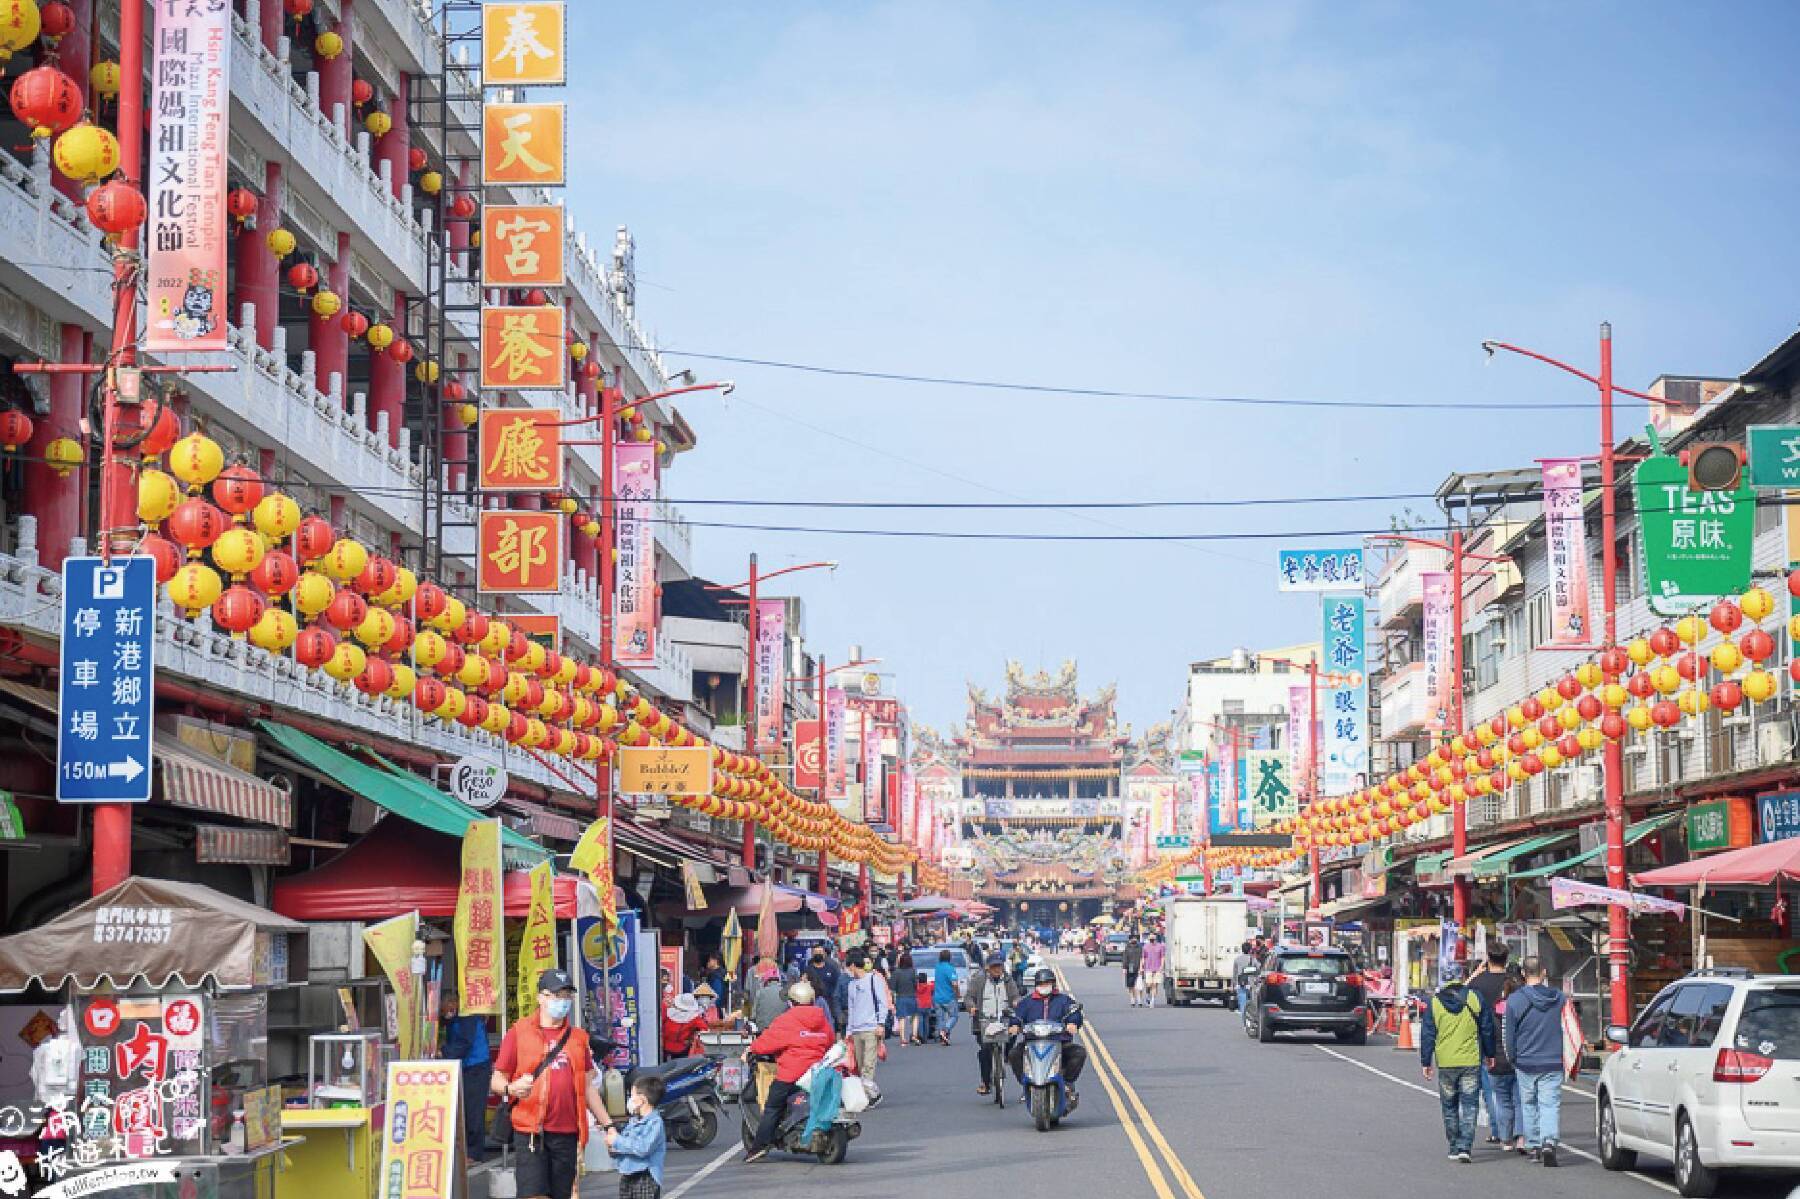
(1746, 886)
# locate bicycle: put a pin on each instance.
(994, 1046)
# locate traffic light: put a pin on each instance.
(1714, 465)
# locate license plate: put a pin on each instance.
(1315, 988)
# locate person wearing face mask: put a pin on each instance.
(824, 974)
(1046, 1004)
(638, 1148)
(546, 1068)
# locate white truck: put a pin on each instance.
(1204, 934)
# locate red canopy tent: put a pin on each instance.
(1752, 866)
(398, 867)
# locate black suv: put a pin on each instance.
(1300, 988)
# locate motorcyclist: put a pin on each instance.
(1046, 1004)
(1091, 945)
(797, 1039)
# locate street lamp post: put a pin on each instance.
(1613, 766)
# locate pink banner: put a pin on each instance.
(188, 235)
(1299, 731)
(1435, 655)
(1573, 893)
(634, 579)
(1565, 530)
(835, 773)
(874, 810)
(771, 672)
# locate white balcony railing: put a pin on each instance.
(1400, 592)
(1402, 700)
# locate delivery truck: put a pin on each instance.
(1205, 934)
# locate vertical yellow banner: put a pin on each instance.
(593, 857)
(391, 943)
(537, 947)
(479, 927)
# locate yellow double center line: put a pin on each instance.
(1113, 1079)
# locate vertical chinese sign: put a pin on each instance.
(523, 348)
(422, 1130)
(522, 245)
(189, 233)
(520, 450)
(1344, 723)
(479, 922)
(522, 43)
(537, 944)
(771, 673)
(520, 551)
(1565, 531)
(836, 709)
(634, 586)
(1436, 650)
(1300, 730)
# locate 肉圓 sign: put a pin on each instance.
(1319, 570)
(104, 699)
(1696, 543)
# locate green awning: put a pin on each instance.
(1496, 864)
(404, 795)
(1633, 835)
(1430, 863)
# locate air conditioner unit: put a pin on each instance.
(1774, 745)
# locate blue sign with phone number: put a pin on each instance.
(1778, 815)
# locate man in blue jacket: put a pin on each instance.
(1534, 1039)
(1046, 1004)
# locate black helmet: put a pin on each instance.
(1045, 975)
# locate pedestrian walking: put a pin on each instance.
(944, 997)
(639, 1147)
(866, 1007)
(1534, 1032)
(1487, 981)
(1508, 1129)
(545, 1068)
(1242, 967)
(824, 975)
(1152, 977)
(1456, 1038)
(466, 1041)
(1133, 961)
(905, 984)
(922, 997)
(992, 996)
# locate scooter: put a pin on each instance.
(1047, 1097)
(1090, 957)
(830, 1147)
(693, 1103)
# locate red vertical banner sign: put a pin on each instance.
(189, 233)
(771, 672)
(1436, 585)
(1565, 532)
(634, 593)
(836, 708)
(875, 810)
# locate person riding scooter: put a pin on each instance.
(1047, 1004)
(797, 1039)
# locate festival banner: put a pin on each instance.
(1344, 715)
(537, 944)
(520, 551)
(592, 856)
(609, 975)
(189, 234)
(1573, 893)
(874, 810)
(390, 943)
(771, 673)
(480, 924)
(422, 1131)
(1300, 731)
(1435, 654)
(524, 43)
(1565, 531)
(522, 245)
(634, 587)
(835, 765)
(522, 144)
(520, 449)
(808, 775)
(523, 348)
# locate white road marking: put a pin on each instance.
(708, 1168)
(1432, 1091)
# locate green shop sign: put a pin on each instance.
(1774, 456)
(1708, 827)
(1696, 543)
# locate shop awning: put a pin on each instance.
(1495, 865)
(1430, 863)
(404, 795)
(1465, 865)
(397, 868)
(153, 929)
(1633, 835)
(1351, 906)
(244, 846)
(192, 781)
(1752, 866)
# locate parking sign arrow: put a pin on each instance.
(128, 770)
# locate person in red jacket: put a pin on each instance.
(682, 1025)
(797, 1039)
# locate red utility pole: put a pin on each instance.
(749, 714)
(1618, 919)
(824, 777)
(1461, 885)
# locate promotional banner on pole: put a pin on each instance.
(874, 810)
(1565, 531)
(1300, 731)
(809, 770)
(479, 925)
(537, 944)
(634, 592)
(390, 944)
(1573, 893)
(771, 672)
(1344, 707)
(188, 236)
(592, 856)
(1437, 586)
(835, 773)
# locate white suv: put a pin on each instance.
(1709, 1076)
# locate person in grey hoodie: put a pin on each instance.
(1534, 1039)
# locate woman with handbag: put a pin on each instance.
(544, 1075)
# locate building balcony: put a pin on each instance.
(53, 259)
(1402, 700)
(1400, 595)
(675, 537)
(672, 676)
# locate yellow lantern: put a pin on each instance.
(499, 636)
(281, 243)
(427, 372)
(238, 551)
(345, 559)
(86, 153)
(376, 628)
(328, 45)
(565, 672)
(1759, 685)
(326, 302)
(1551, 757)
(1638, 717)
(1614, 695)
(1726, 657)
(497, 718)
(1667, 679)
(567, 505)
(1516, 772)
(473, 672)
(518, 686)
(1569, 718)
(346, 662)
(1756, 603)
(406, 585)
(642, 433)
(276, 516)
(468, 414)
(1531, 738)
(1515, 716)
(313, 593)
(1591, 738)
(551, 706)
(157, 496)
(609, 718)
(405, 680)
(1639, 651)
(378, 123)
(431, 182)
(1693, 701)
(105, 78)
(196, 460)
(195, 587)
(1691, 630)
(429, 649)
(535, 656)
(1589, 675)
(379, 336)
(275, 631)
(536, 733)
(454, 705)
(452, 617)
(1794, 627)
(64, 455)
(578, 350)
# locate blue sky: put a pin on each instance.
(1330, 200)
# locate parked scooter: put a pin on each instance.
(831, 1147)
(693, 1104)
(1047, 1096)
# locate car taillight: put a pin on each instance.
(1275, 978)
(1353, 980)
(1734, 1065)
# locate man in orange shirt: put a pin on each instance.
(547, 1070)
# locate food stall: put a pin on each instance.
(159, 1057)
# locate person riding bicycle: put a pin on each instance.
(1046, 1004)
(991, 998)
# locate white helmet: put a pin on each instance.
(801, 993)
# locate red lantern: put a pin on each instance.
(1550, 727)
(347, 610)
(56, 20)
(1497, 725)
(518, 647)
(516, 728)
(402, 638)
(1690, 666)
(1641, 685)
(166, 554)
(1569, 747)
(15, 429)
(361, 92)
(1614, 661)
(276, 574)
(354, 323)
(163, 433)
(429, 602)
(238, 609)
(1756, 645)
(1725, 616)
(377, 676)
(429, 695)
(241, 203)
(237, 489)
(1485, 759)
(1589, 707)
(590, 370)
(1664, 642)
(496, 678)
(1532, 708)
(1531, 764)
(552, 663)
(1498, 780)
(196, 524)
(537, 295)
(454, 391)
(473, 628)
(475, 710)
(314, 647)
(303, 276)
(454, 656)
(401, 350)
(314, 538)
(377, 576)
(415, 158)
(1568, 686)
(116, 208)
(1664, 714)
(463, 207)
(1612, 726)
(297, 9)
(1515, 744)
(1794, 670)
(1793, 583)
(1727, 695)
(46, 100)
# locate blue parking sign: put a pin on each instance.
(104, 701)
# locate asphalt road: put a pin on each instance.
(1176, 1104)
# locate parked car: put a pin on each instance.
(1302, 988)
(1112, 947)
(1708, 1077)
(926, 960)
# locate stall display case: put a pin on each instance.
(344, 1070)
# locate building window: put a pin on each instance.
(1628, 575)
(1768, 514)
(1537, 624)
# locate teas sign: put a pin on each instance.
(1778, 815)
(1696, 543)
